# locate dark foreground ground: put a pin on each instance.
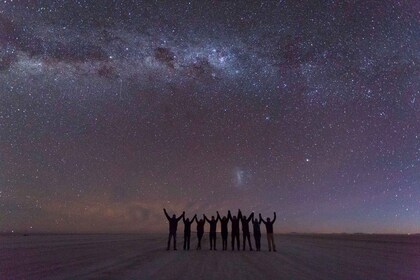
(144, 256)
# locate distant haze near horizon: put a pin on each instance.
(111, 111)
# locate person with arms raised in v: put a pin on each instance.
(187, 231)
(224, 230)
(245, 229)
(257, 233)
(212, 235)
(270, 234)
(173, 225)
(200, 231)
(235, 230)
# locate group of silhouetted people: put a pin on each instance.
(235, 221)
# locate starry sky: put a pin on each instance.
(113, 110)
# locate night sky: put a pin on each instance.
(113, 110)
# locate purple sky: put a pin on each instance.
(112, 110)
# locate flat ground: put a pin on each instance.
(143, 256)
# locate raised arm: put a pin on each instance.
(274, 218)
(205, 218)
(181, 217)
(194, 218)
(229, 216)
(251, 217)
(262, 220)
(166, 214)
(218, 215)
(239, 214)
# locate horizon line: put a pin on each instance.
(161, 232)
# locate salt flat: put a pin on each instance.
(143, 256)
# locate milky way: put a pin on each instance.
(113, 110)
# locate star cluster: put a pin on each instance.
(113, 110)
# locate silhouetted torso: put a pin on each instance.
(256, 226)
(200, 227)
(173, 224)
(245, 224)
(213, 225)
(269, 227)
(224, 225)
(235, 225)
(187, 226)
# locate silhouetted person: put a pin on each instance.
(224, 227)
(173, 225)
(212, 234)
(257, 233)
(235, 230)
(187, 231)
(200, 231)
(245, 229)
(270, 235)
